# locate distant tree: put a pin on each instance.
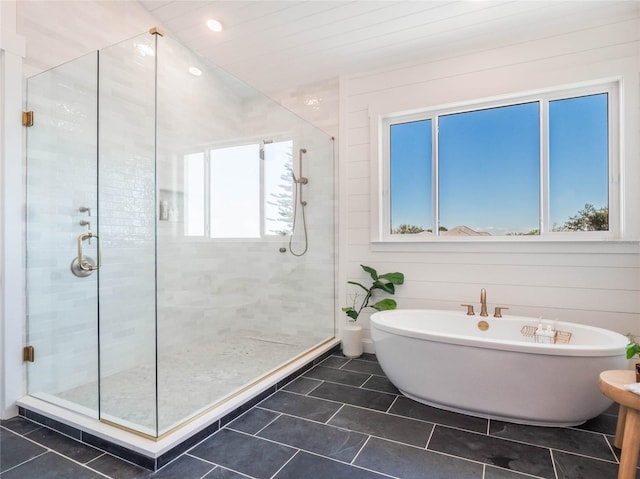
(284, 201)
(588, 219)
(528, 233)
(405, 229)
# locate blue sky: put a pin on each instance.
(489, 166)
(578, 151)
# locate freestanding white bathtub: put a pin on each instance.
(443, 359)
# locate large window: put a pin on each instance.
(532, 166)
(239, 191)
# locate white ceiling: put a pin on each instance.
(275, 45)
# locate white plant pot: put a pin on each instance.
(352, 341)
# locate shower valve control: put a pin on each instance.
(88, 225)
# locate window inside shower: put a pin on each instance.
(238, 191)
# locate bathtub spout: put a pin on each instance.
(483, 302)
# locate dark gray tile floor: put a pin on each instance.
(341, 419)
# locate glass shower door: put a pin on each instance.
(61, 206)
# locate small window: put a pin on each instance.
(239, 191)
(533, 167)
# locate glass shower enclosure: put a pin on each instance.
(180, 235)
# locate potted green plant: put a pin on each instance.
(633, 349)
(384, 283)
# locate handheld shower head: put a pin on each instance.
(298, 199)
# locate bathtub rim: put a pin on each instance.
(615, 345)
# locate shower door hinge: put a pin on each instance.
(28, 354)
(27, 118)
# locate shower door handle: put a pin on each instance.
(83, 266)
(87, 265)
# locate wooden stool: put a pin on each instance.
(628, 427)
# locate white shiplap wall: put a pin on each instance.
(594, 283)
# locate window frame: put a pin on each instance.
(381, 165)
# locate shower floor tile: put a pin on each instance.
(183, 394)
(293, 434)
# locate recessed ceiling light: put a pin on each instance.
(195, 71)
(214, 25)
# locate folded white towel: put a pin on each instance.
(633, 387)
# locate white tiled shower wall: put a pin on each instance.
(208, 287)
